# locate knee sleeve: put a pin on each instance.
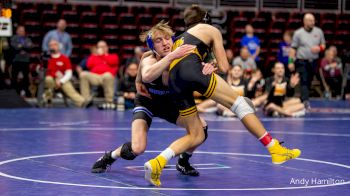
(250, 103)
(126, 152)
(242, 106)
(205, 132)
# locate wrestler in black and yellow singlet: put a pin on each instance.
(185, 75)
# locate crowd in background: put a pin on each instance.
(303, 58)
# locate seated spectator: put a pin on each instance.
(346, 62)
(127, 85)
(61, 36)
(82, 66)
(255, 87)
(138, 52)
(58, 75)
(284, 48)
(331, 73)
(102, 70)
(235, 79)
(251, 42)
(21, 44)
(246, 62)
(278, 87)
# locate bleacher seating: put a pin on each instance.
(121, 25)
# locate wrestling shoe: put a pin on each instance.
(153, 170)
(184, 166)
(103, 163)
(187, 169)
(281, 154)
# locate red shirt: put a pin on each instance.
(58, 66)
(100, 64)
(331, 72)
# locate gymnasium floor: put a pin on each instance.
(51, 151)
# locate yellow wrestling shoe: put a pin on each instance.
(280, 154)
(153, 169)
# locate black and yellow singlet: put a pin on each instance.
(185, 75)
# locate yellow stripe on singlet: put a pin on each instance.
(188, 111)
(176, 61)
(211, 87)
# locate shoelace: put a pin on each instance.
(289, 153)
(156, 175)
(187, 168)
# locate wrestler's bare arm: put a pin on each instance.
(153, 68)
(218, 49)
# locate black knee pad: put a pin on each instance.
(205, 132)
(126, 152)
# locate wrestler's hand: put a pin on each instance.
(208, 68)
(142, 90)
(182, 51)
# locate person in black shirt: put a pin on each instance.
(127, 85)
(21, 45)
(278, 87)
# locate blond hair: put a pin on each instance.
(162, 26)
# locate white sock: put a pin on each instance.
(114, 154)
(168, 154)
(271, 144)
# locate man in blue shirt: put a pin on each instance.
(63, 38)
(251, 42)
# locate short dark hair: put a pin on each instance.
(193, 15)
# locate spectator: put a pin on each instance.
(138, 52)
(331, 72)
(82, 66)
(61, 36)
(59, 74)
(127, 85)
(255, 87)
(251, 42)
(21, 44)
(102, 70)
(284, 48)
(307, 43)
(235, 79)
(246, 62)
(335, 50)
(346, 62)
(277, 88)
